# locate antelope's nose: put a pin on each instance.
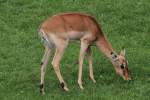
(127, 78)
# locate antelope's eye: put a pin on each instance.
(122, 66)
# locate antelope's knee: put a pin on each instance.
(55, 66)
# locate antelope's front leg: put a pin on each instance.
(83, 49)
(89, 55)
(43, 68)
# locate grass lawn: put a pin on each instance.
(126, 23)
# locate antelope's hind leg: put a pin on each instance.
(60, 46)
(43, 68)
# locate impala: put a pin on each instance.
(58, 30)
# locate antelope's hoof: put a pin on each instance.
(42, 89)
(64, 87)
(43, 93)
(94, 81)
(92, 78)
(81, 87)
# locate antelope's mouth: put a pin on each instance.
(126, 77)
(126, 74)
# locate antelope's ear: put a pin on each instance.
(123, 52)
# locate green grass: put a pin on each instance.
(126, 23)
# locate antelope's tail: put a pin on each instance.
(45, 40)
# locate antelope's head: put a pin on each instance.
(120, 64)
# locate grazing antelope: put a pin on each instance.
(56, 32)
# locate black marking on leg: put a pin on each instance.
(41, 87)
(62, 84)
(41, 63)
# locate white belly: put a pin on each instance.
(74, 35)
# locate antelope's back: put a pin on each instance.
(66, 22)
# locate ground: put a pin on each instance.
(126, 23)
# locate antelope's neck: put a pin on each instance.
(103, 44)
